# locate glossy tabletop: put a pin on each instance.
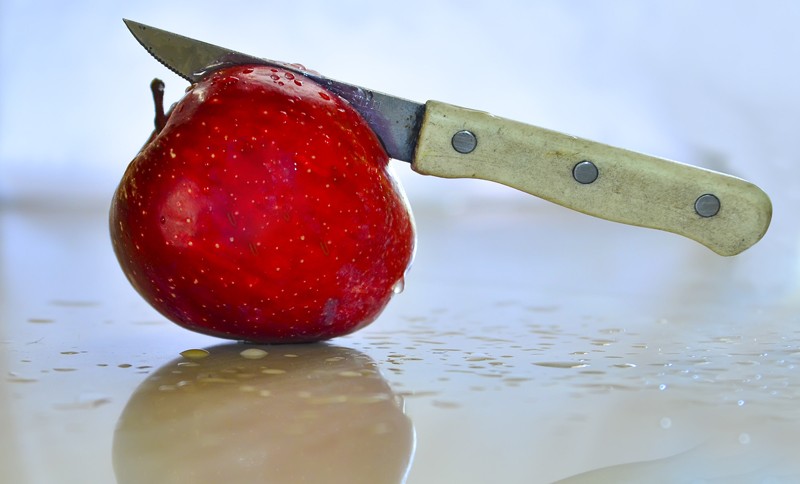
(531, 344)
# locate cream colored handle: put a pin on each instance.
(629, 187)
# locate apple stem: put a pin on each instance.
(157, 88)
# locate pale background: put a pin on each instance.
(710, 83)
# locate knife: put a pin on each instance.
(722, 212)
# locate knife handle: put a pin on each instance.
(722, 212)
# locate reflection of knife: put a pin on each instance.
(722, 212)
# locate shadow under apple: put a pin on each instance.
(245, 413)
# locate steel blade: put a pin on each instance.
(394, 120)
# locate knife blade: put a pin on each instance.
(722, 212)
(395, 120)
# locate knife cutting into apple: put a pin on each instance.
(291, 124)
(724, 213)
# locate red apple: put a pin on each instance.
(264, 210)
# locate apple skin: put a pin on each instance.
(264, 210)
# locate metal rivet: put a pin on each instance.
(585, 172)
(707, 205)
(464, 141)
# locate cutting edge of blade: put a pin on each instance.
(200, 57)
(396, 121)
(133, 26)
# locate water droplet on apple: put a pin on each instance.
(229, 81)
(324, 96)
(398, 286)
(274, 77)
(289, 76)
(163, 220)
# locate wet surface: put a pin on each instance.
(530, 344)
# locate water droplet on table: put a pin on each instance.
(562, 364)
(253, 353)
(194, 354)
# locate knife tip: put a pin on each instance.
(131, 24)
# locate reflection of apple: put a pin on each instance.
(299, 413)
